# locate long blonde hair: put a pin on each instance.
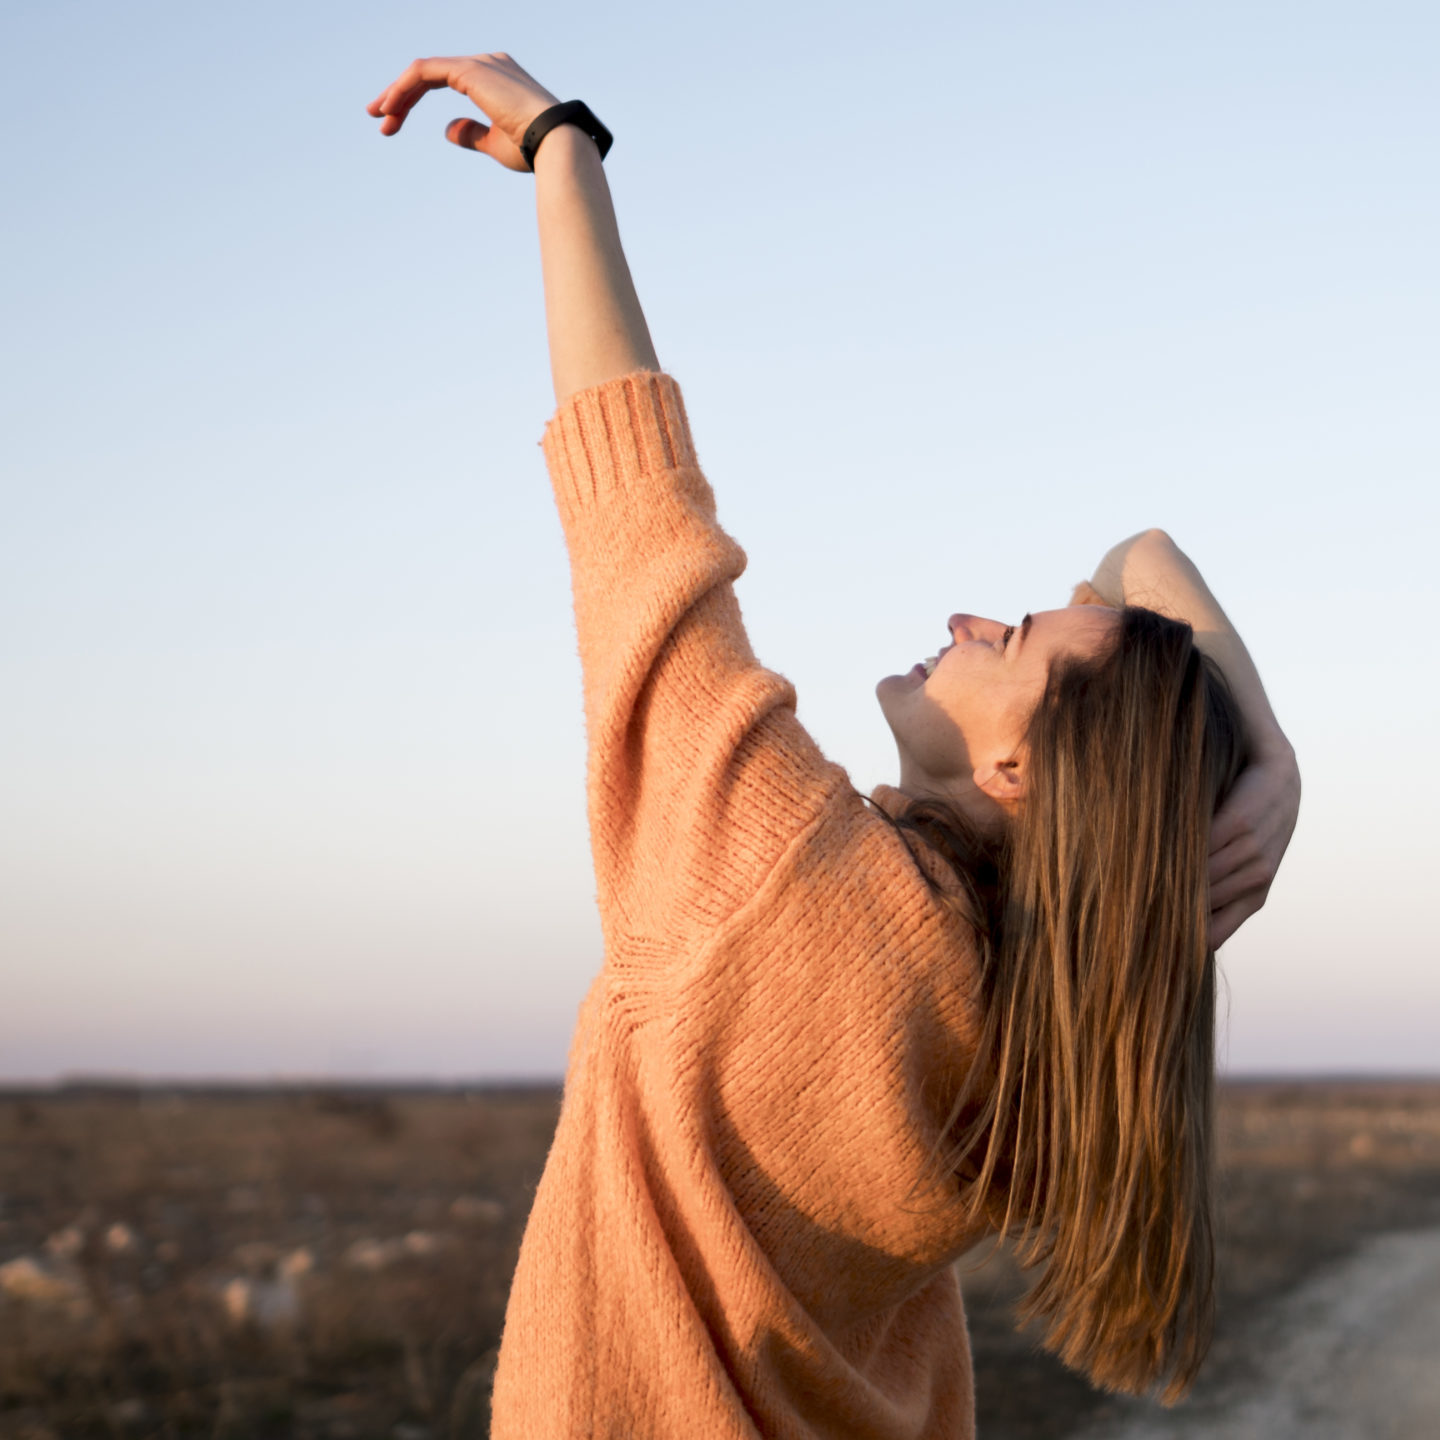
(1084, 1127)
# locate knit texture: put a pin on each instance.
(732, 1237)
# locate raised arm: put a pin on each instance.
(596, 328)
(1253, 828)
(700, 777)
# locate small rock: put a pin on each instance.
(235, 1296)
(54, 1285)
(266, 1303)
(120, 1239)
(371, 1254)
(67, 1243)
(41, 1282)
(477, 1210)
(297, 1263)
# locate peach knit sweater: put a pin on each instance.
(725, 1242)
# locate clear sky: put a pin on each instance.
(291, 751)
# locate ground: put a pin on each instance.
(332, 1265)
(1327, 1190)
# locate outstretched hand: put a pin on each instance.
(498, 86)
(1248, 839)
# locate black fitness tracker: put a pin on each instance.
(568, 112)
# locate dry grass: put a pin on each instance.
(230, 1303)
(197, 1258)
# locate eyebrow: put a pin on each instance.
(1024, 631)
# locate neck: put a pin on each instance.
(959, 791)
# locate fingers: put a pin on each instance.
(1224, 923)
(1253, 880)
(508, 98)
(1230, 822)
(1242, 851)
(396, 101)
(467, 134)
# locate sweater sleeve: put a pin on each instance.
(699, 774)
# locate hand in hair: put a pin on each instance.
(1248, 840)
(1253, 827)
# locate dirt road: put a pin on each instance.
(1353, 1354)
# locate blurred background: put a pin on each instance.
(292, 749)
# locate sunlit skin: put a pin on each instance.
(960, 730)
(957, 742)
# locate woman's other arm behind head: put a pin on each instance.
(1252, 829)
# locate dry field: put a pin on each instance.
(333, 1263)
(1309, 1172)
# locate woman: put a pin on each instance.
(833, 1043)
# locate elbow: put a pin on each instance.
(1154, 546)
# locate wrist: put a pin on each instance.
(566, 147)
(1265, 741)
(574, 136)
(1272, 748)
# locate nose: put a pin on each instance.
(974, 627)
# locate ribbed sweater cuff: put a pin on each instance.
(609, 440)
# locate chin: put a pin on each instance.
(900, 684)
(890, 692)
(891, 688)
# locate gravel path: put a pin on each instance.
(1353, 1354)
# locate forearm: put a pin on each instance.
(596, 327)
(1149, 569)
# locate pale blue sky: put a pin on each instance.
(291, 756)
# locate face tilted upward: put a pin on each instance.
(961, 714)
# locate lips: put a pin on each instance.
(928, 665)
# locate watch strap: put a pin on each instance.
(568, 112)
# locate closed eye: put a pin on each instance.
(1005, 638)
